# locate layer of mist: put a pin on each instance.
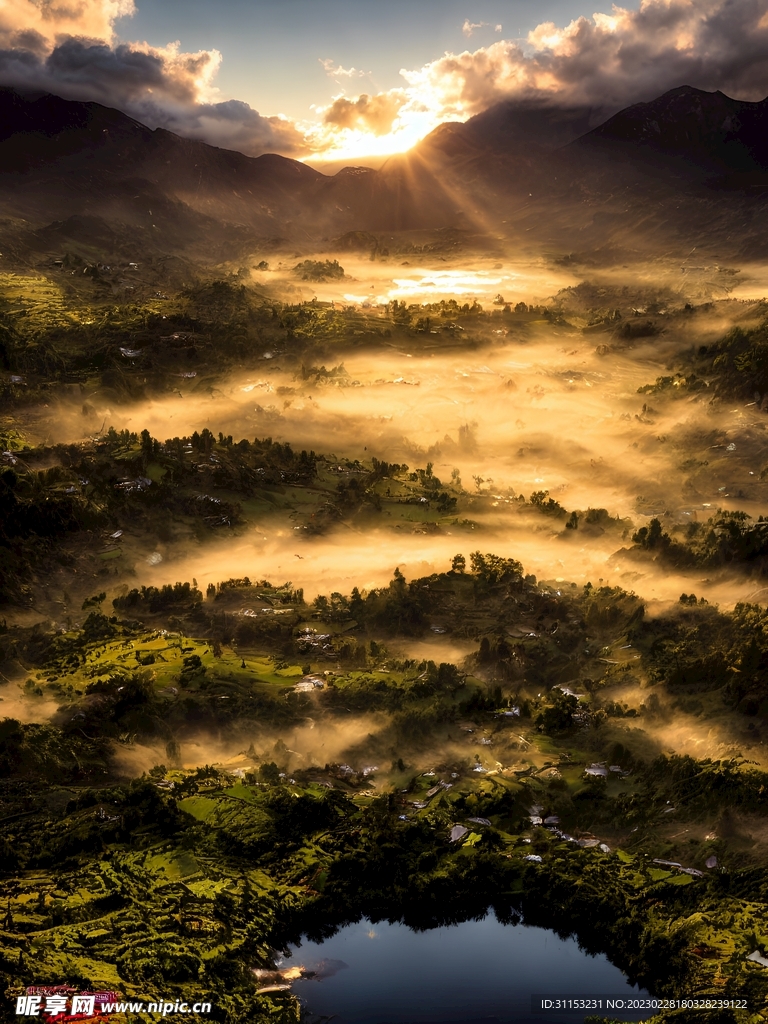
(528, 406)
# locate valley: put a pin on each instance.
(405, 568)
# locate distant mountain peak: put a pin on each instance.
(710, 130)
(511, 125)
(707, 128)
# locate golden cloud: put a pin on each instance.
(606, 62)
(334, 70)
(611, 60)
(45, 20)
(375, 114)
(469, 27)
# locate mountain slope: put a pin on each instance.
(533, 175)
(511, 127)
(708, 130)
(87, 154)
(61, 159)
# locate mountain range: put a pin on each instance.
(686, 166)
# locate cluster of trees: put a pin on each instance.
(740, 360)
(99, 485)
(37, 503)
(158, 599)
(404, 608)
(433, 488)
(544, 503)
(36, 752)
(319, 270)
(727, 537)
(492, 570)
(673, 384)
(734, 366)
(704, 784)
(244, 588)
(232, 459)
(703, 650)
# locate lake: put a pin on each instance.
(377, 973)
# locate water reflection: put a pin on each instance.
(477, 969)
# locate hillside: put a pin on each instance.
(61, 159)
(680, 171)
(707, 130)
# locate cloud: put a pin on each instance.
(375, 114)
(611, 60)
(337, 71)
(604, 62)
(233, 124)
(70, 49)
(45, 20)
(469, 26)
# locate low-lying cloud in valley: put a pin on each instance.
(527, 409)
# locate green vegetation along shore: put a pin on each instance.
(532, 779)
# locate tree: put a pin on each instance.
(542, 501)
(651, 536)
(339, 608)
(147, 446)
(269, 773)
(559, 716)
(494, 569)
(458, 563)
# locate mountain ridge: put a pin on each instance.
(707, 128)
(521, 167)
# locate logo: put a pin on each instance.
(58, 1004)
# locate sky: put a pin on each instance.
(273, 51)
(356, 79)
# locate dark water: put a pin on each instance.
(478, 970)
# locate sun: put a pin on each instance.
(332, 144)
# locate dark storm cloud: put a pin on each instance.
(605, 61)
(70, 50)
